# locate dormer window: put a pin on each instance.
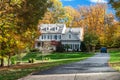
(52, 29)
(56, 28)
(47, 28)
(44, 29)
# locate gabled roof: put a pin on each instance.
(74, 30)
(52, 28)
(77, 32)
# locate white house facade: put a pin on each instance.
(59, 33)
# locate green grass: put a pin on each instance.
(115, 56)
(16, 72)
(115, 59)
(54, 56)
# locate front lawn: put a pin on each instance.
(56, 59)
(115, 59)
(52, 57)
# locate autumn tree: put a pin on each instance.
(72, 16)
(116, 5)
(54, 14)
(116, 36)
(17, 19)
(94, 19)
(91, 40)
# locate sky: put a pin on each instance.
(75, 3)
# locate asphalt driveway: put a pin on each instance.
(93, 68)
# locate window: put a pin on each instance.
(77, 46)
(59, 36)
(44, 36)
(55, 37)
(56, 28)
(51, 37)
(70, 46)
(48, 37)
(47, 28)
(52, 29)
(69, 36)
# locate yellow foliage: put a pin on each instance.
(5, 39)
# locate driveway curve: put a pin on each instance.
(93, 68)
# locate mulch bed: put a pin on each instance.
(21, 66)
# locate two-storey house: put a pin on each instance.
(59, 33)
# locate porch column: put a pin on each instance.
(79, 47)
(73, 46)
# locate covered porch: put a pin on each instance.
(71, 45)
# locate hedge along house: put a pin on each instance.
(59, 34)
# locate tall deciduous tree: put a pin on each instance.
(116, 36)
(95, 20)
(55, 13)
(17, 19)
(72, 16)
(116, 5)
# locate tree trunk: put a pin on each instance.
(2, 62)
(93, 48)
(9, 60)
(88, 48)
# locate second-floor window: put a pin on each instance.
(51, 37)
(69, 36)
(44, 36)
(59, 36)
(55, 37)
(48, 37)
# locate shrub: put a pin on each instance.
(47, 58)
(34, 50)
(13, 61)
(31, 60)
(59, 48)
(83, 47)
